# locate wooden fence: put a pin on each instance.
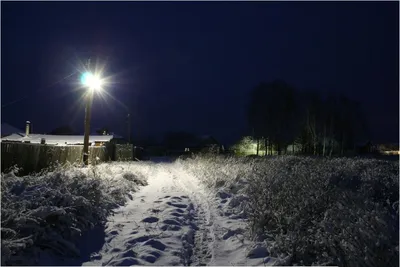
(35, 157)
(124, 152)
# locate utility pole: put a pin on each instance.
(89, 100)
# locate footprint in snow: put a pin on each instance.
(168, 227)
(150, 220)
(182, 206)
(128, 253)
(171, 222)
(124, 262)
(155, 244)
(178, 198)
(184, 197)
(115, 250)
(139, 239)
(179, 210)
(114, 232)
(231, 233)
(155, 254)
(149, 258)
(157, 201)
(177, 214)
(155, 210)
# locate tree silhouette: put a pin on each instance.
(271, 114)
(283, 116)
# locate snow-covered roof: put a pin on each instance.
(7, 129)
(57, 139)
(14, 136)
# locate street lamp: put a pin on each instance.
(93, 83)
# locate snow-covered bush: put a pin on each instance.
(50, 210)
(317, 211)
(216, 171)
(248, 146)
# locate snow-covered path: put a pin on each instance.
(174, 220)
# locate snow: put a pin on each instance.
(44, 215)
(200, 211)
(13, 137)
(176, 220)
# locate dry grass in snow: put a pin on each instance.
(47, 213)
(313, 211)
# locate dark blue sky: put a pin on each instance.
(191, 65)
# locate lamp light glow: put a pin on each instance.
(92, 81)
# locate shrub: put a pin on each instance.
(317, 211)
(50, 210)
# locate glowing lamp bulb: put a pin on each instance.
(93, 82)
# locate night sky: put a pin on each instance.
(191, 65)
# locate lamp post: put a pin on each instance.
(92, 83)
(88, 111)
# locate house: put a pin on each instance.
(33, 152)
(58, 140)
(14, 135)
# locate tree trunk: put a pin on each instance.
(258, 145)
(270, 147)
(331, 138)
(266, 146)
(315, 139)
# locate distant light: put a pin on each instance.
(93, 82)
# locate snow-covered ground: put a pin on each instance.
(176, 220)
(204, 210)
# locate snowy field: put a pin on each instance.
(205, 211)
